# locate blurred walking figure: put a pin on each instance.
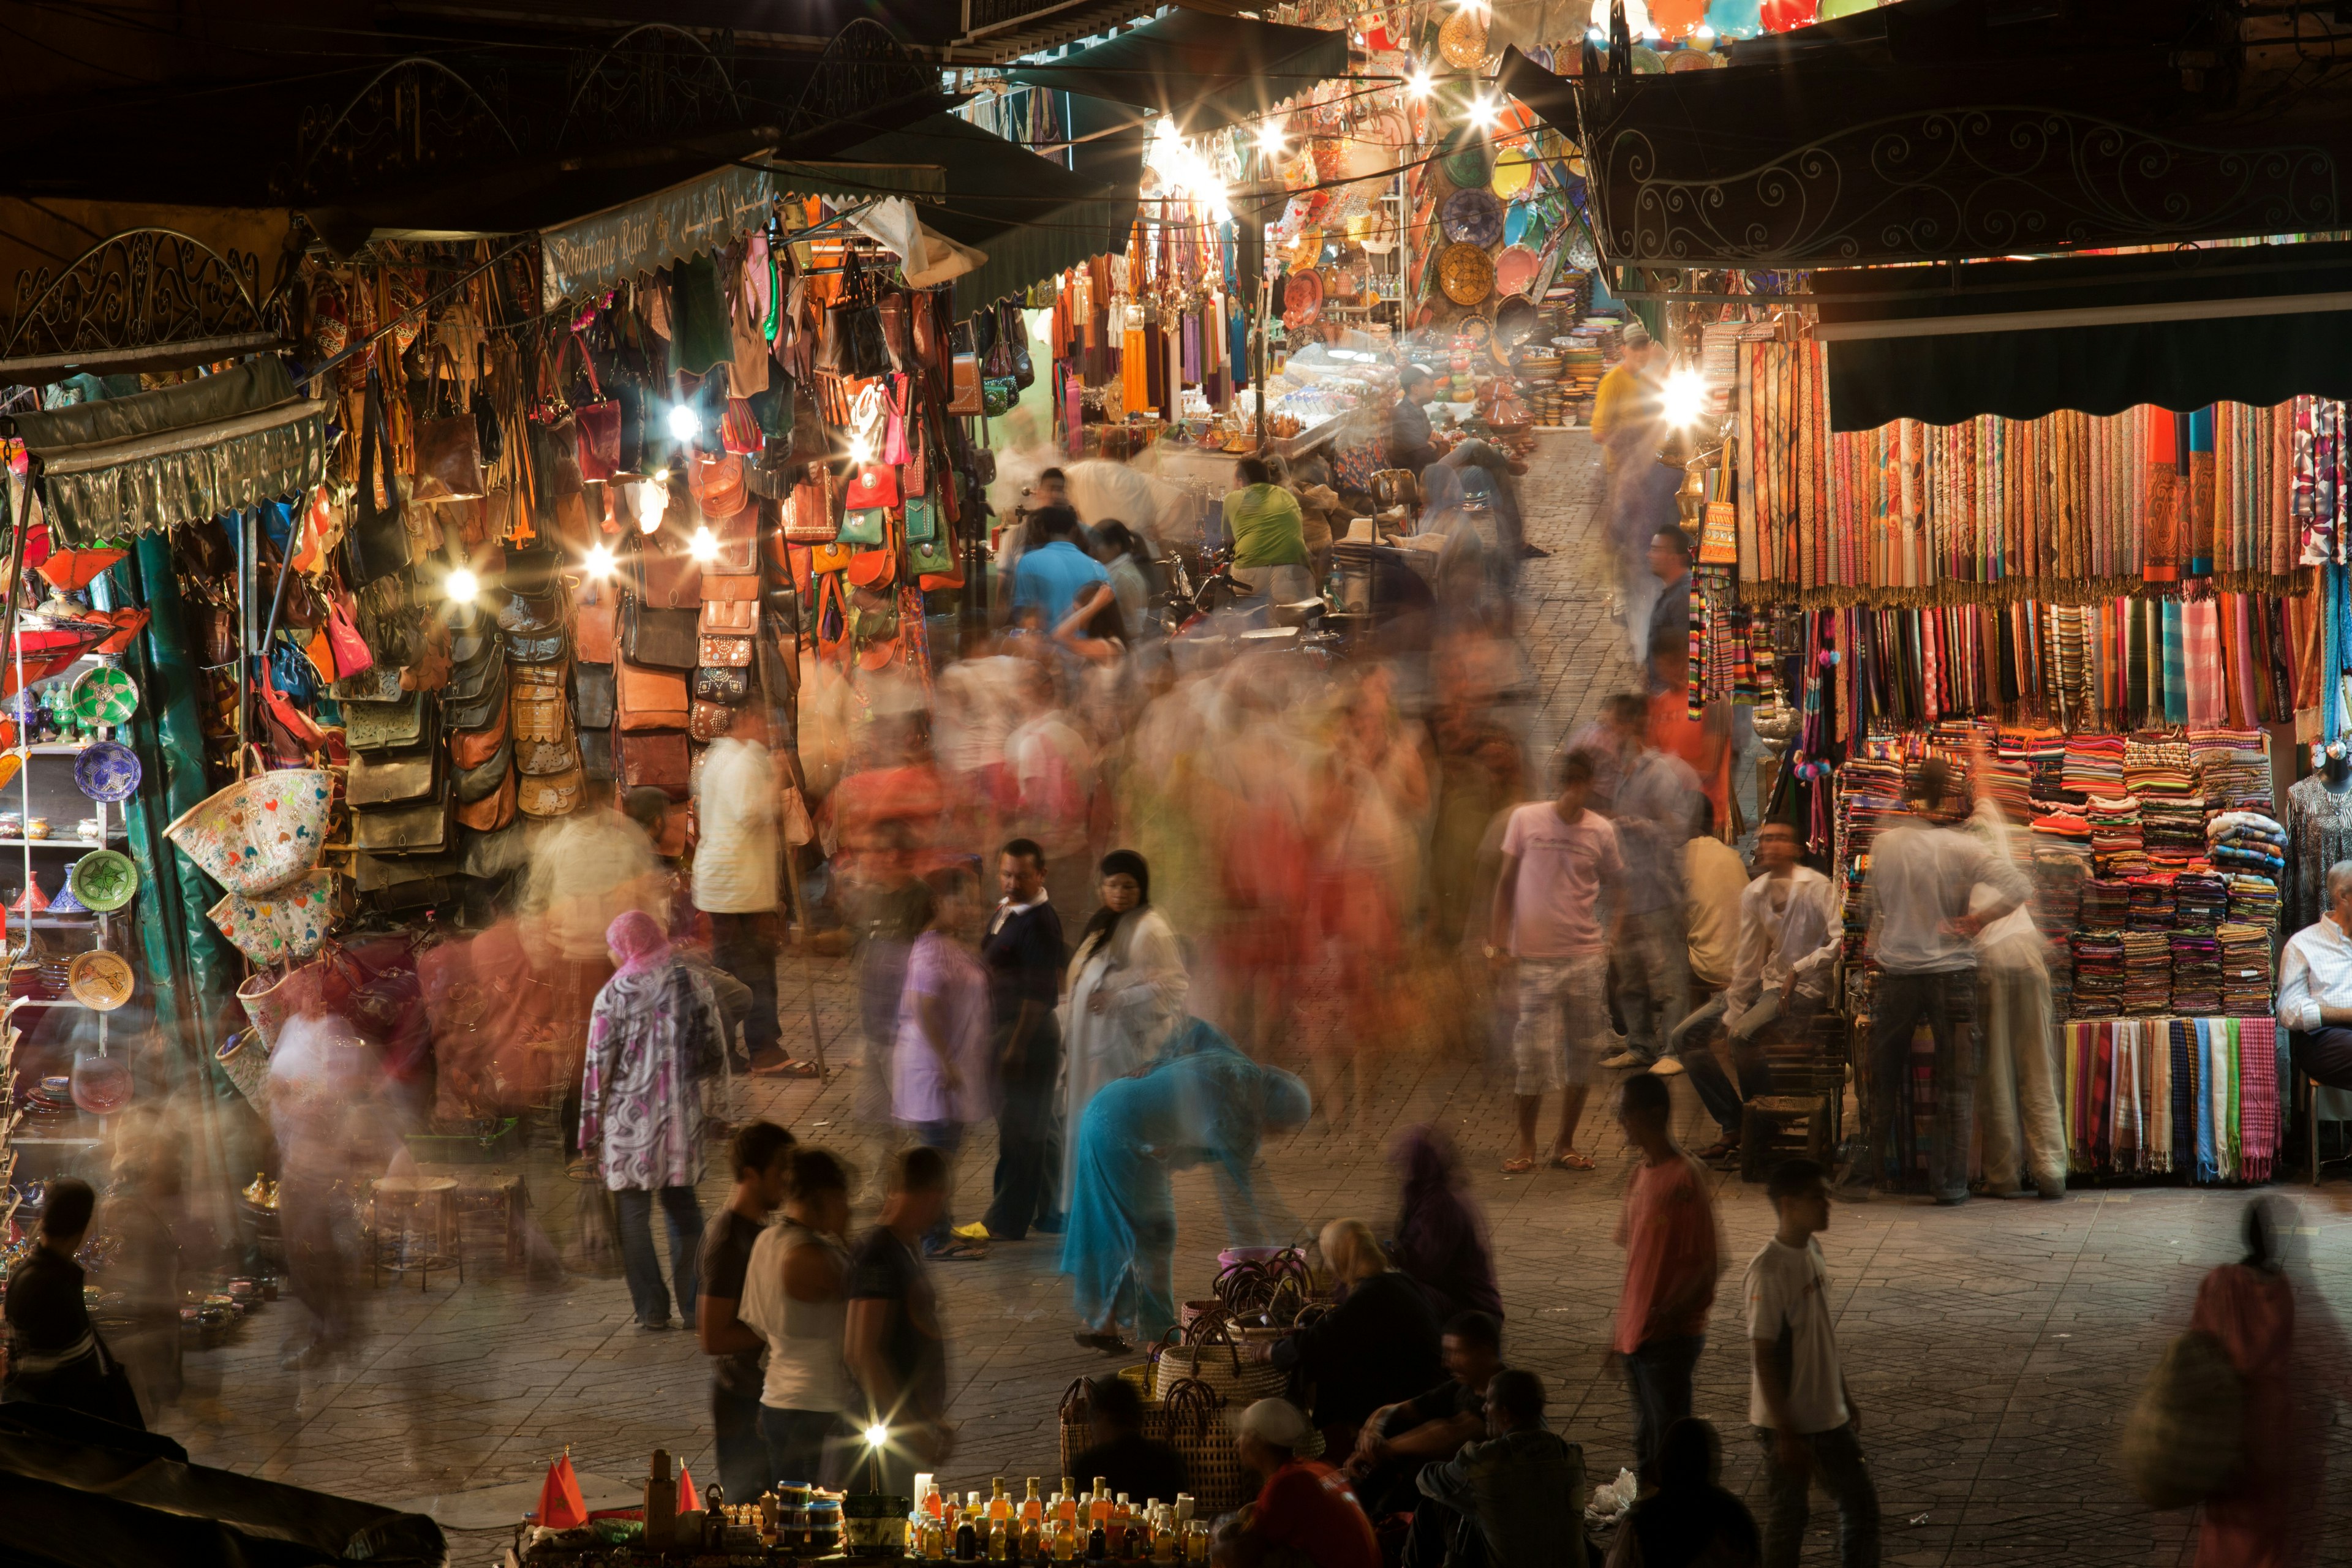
(736, 807)
(1201, 1103)
(1558, 860)
(1128, 986)
(897, 1345)
(652, 1040)
(56, 1354)
(2289, 1353)
(1657, 800)
(1716, 880)
(943, 1072)
(796, 1294)
(1805, 1421)
(1440, 1236)
(1023, 952)
(1672, 1250)
(2020, 1092)
(332, 1142)
(762, 1157)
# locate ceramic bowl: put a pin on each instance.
(108, 771)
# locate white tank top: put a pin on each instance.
(805, 1370)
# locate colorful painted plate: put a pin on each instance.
(108, 771)
(1514, 320)
(1471, 167)
(1516, 270)
(1513, 169)
(1302, 295)
(1467, 273)
(104, 880)
(1472, 217)
(104, 696)
(1463, 39)
(100, 980)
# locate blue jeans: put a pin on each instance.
(947, 1137)
(806, 1448)
(634, 1217)
(1838, 1465)
(1653, 980)
(1945, 1001)
(743, 1461)
(1706, 1074)
(1658, 1373)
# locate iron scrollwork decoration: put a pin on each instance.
(137, 291)
(863, 69)
(1957, 183)
(412, 117)
(653, 82)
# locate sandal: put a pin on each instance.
(1721, 1149)
(786, 1067)
(1107, 1343)
(1569, 1160)
(957, 1252)
(1518, 1166)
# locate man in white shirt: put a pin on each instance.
(2315, 989)
(736, 866)
(2020, 1090)
(1923, 934)
(1796, 1397)
(1715, 880)
(1780, 976)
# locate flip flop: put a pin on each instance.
(958, 1252)
(788, 1068)
(1570, 1160)
(1517, 1166)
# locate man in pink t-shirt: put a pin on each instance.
(1558, 860)
(1672, 1257)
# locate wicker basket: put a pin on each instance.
(1194, 1311)
(1211, 1352)
(1197, 1428)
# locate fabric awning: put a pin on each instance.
(1206, 72)
(2254, 324)
(130, 465)
(589, 255)
(1031, 216)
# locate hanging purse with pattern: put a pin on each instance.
(876, 485)
(922, 518)
(866, 526)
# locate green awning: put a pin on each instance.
(1031, 215)
(589, 255)
(132, 465)
(1206, 72)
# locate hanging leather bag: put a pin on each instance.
(658, 638)
(377, 541)
(448, 452)
(656, 761)
(649, 699)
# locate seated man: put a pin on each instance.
(1411, 440)
(2314, 987)
(1512, 1497)
(1269, 535)
(1397, 1440)
(1055, 570)
(1782, 966)
(1378, 1346)
(1122, 1456)
(1305, 1510)
(56, 1354)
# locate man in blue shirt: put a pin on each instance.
(1047, 578)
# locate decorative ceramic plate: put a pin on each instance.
(104, 880)
(1472, 217)
(100, 980)
(1476, 330)
(1302, 295)
(104, 696)
(1517, 269)
(1463, 39)
(108, 771)
(1471, 167)
(1466, 274)
(1513, 170)
(1514, 320)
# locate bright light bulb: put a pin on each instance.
(600, 561)
(1419, 83)
(652, 501)
(1269, 138)
(683, 425)
(1682, 399)
(861, 450)
(1484, 112)
(704, 545)
(461, 585)
(876, 1434)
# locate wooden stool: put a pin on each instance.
(414, 1229)
(494, 1202)
(1769, 1132)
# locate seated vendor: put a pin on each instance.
(1122, 1456)
(56, 1354)
(1305, 1510)
(1377, 1347)
(1268, 534)
(2314, 988)
(1411, 443)
(1397, 1440)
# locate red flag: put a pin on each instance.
(688, 1502)
(560, 1504)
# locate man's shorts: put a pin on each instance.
(1563, 1022)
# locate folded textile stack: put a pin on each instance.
(2045, 757)
(2094, 765)
(2060, 872)
(2106, 904)
(2148, 971)
(2151, 906)
(2098, 973)
(2245, 963)
(2195, 975)
(2058, 956)
(2117, 848)
(2234, 767)
(2201, 900)
(2162, 766)
(2008, 779)
(2172, 827)
(2246, 841)
(2254, 900)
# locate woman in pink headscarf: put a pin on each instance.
(652, 1039)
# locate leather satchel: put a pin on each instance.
(476, 713)
(663, 638)
(668, 582)
(448, 460)
(729, 587)
(591, 686)
(556, 795)
(544, 759)
(479, 783)
(593, 626)
(649, 699)
(723, 652)
(596, 755)
(393, 779)
(385, 726)
(718, 684)
(655, 760)
(709, 721)
(541, 714)
(966, 399)
(493, 811)
(378, 535)
(730, 618)
(549, 677)
(420, 829)
(808, 516)
(472, 748)
(739, 547)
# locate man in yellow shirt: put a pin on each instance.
(1627, 397)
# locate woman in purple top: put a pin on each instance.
(652, 1038)
(941, 1071)
(1441, 1238)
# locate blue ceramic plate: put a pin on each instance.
(108, 771)
(1473, 218)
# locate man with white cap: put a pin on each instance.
(1304, 1505)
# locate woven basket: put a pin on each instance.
(1196, 1428)
(1211, 1352)
(1194, 1311)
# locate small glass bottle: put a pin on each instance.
(999, 1506)
(1163, 1535)
(1000, 1531)
(1066, 1505)
(968, 1529)
(1033, 1507)
(1196, 1542)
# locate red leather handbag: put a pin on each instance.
(876, 484)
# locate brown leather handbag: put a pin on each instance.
(494, 810)
(655, 760)
(649, 699)
(809, 517)
(724, 652)
(541, 714)
(593, 625)
(709, 721)
(448, 461)
(472, 748)
(729, 617)
(559, 794)
(668, 582)
(729, 587)
(660, 637)
(738, 546)
(544, 759)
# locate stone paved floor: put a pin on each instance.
(1992, 1348)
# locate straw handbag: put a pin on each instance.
(1211, 1351)
(1196, 1428)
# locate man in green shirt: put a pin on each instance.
(1268, 533)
